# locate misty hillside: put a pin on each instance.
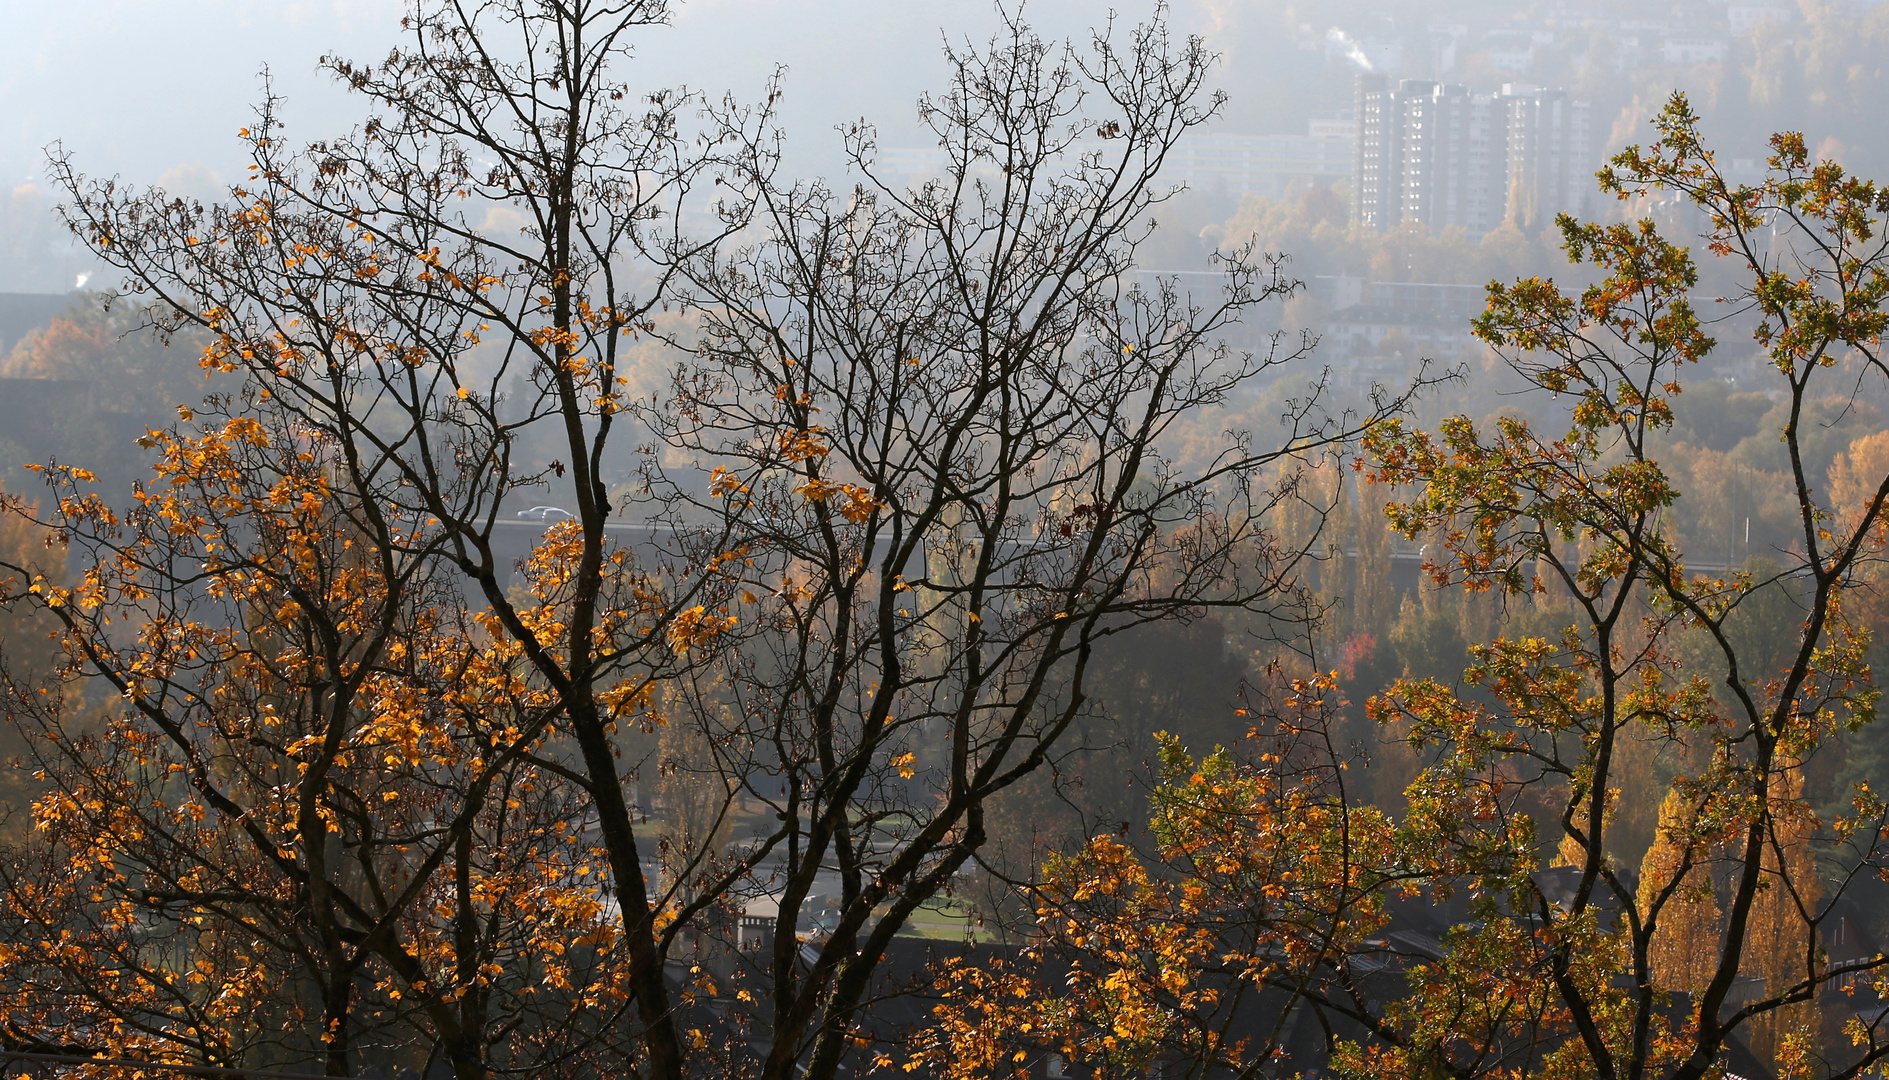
(763, 540)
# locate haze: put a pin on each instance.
(154, 88)
(1358, 549)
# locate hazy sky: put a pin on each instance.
(154, 89)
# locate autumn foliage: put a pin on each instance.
(1566, 951)
(339, 760)
(350, 763)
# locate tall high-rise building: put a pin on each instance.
(1441, 155)
(1454, 167)
(1550, 155)
(1376, 199)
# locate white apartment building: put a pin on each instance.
(1442, 155)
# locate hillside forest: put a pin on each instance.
(705, 621)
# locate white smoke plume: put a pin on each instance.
(1354, 52)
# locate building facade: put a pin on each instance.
(1265, 165)
(1550, 153)
(1377, 176)
(1442, 155)
(1453, 163)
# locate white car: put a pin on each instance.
(547, 513)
